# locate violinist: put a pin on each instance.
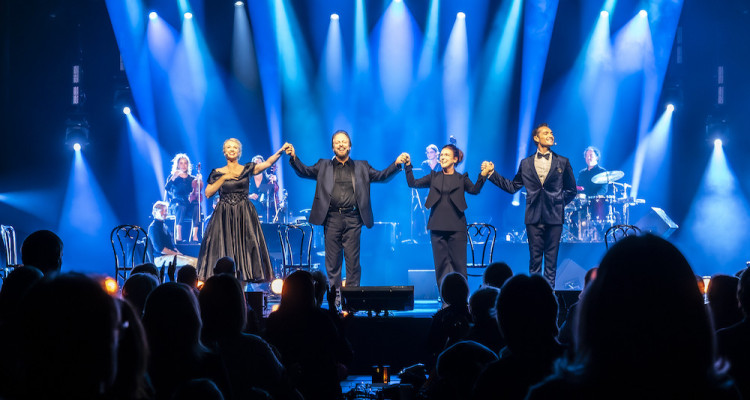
(263, 188)
(183, 193)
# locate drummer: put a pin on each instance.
(584, 184)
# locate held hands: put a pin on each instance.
(289, 149)
(403, 158)
(488, 167)
(253, 196)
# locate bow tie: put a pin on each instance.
(540, 155)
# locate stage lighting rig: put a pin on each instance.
(76, 132)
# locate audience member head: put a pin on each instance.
(137, 288)
(461, 364)
(496, 274)
(482, 304)
(172, 319)
(454, 289)
(68, 338)
(198, 389)
(223, 307)
(43, 250)
(722, 298)
(527, 312)
(146, 268)
(590, 276)
(14, 288)
(743, 292)
(188, 275)
(644, 315)
(132, 356)
(298, 293)
(321, 286)
(225, 265)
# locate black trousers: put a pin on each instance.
(449, 253)
(544, 243)
(342, 234)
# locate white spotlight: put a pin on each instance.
(396, 1)
(277, 285)
(77, 147)
(152, 15)
(238, 4)
(670, 107)
(604, 14)
(717, 143)
(334, 17)
(461, 15)
(643, 13)
(126, 110)
(188, 15)
(515, 203)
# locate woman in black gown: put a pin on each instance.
(446, 201)
(234, 230)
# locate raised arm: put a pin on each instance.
(302, 170)
(422, 182)
(260, 167)
(510, 186)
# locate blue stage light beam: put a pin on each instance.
(714, 235)
(495, 84)
(162, 39)
(39, 203)
(85, 221)
(244, 64)
(598, 84)
(147, 162)
(396, 54)
(361, 47)
(332, 79)
(456, 89)
(652, 164)
(428, 56)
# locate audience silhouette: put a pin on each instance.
(484, 329)
(173, 326)
(527, 316)
(643, 331)
(496, 274)
(43, 249)
(734, 341)
(722, 299)
(450, 324)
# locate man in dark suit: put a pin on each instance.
(342, 203)
(550, 185)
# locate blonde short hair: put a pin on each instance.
(239, 144)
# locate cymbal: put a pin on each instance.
(607, 177)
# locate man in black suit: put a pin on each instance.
(342, 203)
(550, 185)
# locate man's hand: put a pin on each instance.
(402, 158)
(289, 150)
(487, 168)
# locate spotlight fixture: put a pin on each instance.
(334, 17)
(276, 285)
(643, 13)
(126, 110)
(188, 15)
(461, 15)
(238, 4)
(77, 146)
(604, 14)
(152, 15)
(670, 107)
(515, 203)
(717, 143)
(77, 132)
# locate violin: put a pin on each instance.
(197, 183)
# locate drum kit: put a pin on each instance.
(587, 218)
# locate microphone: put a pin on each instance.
(452, 140)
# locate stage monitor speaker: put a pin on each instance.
(378, 298)
(657, 222)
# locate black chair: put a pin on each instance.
(300, 234)
(617, 232)
(127, 243)
(9, 246)
(481, 240)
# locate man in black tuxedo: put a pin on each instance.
(550, 185)
(342, 203)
